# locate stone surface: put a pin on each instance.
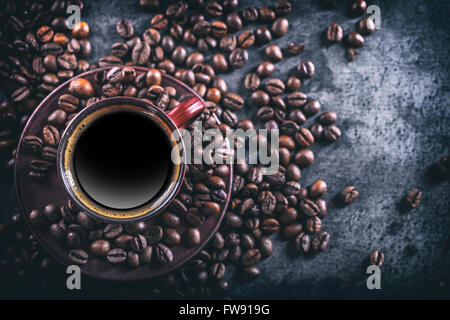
(393, 108)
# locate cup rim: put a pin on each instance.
(67, 133)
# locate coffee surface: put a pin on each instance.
(122, 160)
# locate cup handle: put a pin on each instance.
(186, 112)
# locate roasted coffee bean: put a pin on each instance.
(355, 40)
(210, 208)
(358, 7)
(292, 230)
(154, 234)
(251, 82)
(366, 26)
(311, 108)
(85, 48)
(116, 256)
(267, 202)
(265, 114)
(270, 225)
(335, 33)
(331, 133)
(163, 254)
(78, 256)
(192, 237)
(49, 153)
(159, 21)
(303, 242)
(202, 28)
(265, 246)
(51, 49)
(349, 195)
(296, 48)
(123, 241)
(73, 240)
(32, 144)
(327, 118)
(280, 27)
(81, 87)
(138, 243)
(100, 247)
(306, 69)
(263, 34)
(309, 208)
(260, 98)
(141, 53)
(320, 241)
(249, 273)
(250, 257)
(170, 219)
(250, 14)
(266, 15)
(265, 69)
(288, 127)
(296, 99)
(317, 189)
(283, 7)
(274, 53)
(194, 58)
(304, 138)
(50, 135)
(247, 242)
(218, 29)
(233, 101)
(274, 86)
(80, 30)
(413, 198)
(292, 188)
(230, 118)
(171, 237)
(220, 63)
(376, 258)
(151, 36)
(228, 43)
(238, 58)
(234, 21)
(111, 89)
(125, 29)
(44, 34)
(146, 255)
(297, 116)
(133, 259)
(246, 39)
(20, 94)
(214, 9)
(217, 271)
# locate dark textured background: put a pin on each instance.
(392, 104)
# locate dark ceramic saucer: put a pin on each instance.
(33, 194)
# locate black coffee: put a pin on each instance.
(122, 160)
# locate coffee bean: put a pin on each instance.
(260, 98)
(282, 7)
(303, 242)
(163, 254)
(358, 7)
(265, 69)
(349, 195)
(138, 243)
(366, 26)
(238, 58)
(81, 87)
(335, 33)
(246, 39)
(218, 29)
(125, 29)
(250, 14)
(263, 34)
(233, 101)
(274, 53)
(265, 113)
(266, 15)
(327, 118)
(376, 258)
(141, 53)
(413, 198)
(133, 259)
(270, 225)
(50, 135)
(280, 27)
(251, 257)
(309, 208)
(274, 86)
(304, 138)
(44, 34)
(159, 21)
(214, 9)
(116, 256)
(292, 230)
(80, 30)
(296, 48)
(320, 241)
(73, 240)
(306, 69)
(78, 256)
(32, 144)
(217, 271)
(100, 247)
(317, 189)
(331, 133)
(355, 40)
(251, 82)
(234, 21)
(151, 36)
(20, 94)
(296, 99)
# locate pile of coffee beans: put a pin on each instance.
(195, 41)
(39, 52)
